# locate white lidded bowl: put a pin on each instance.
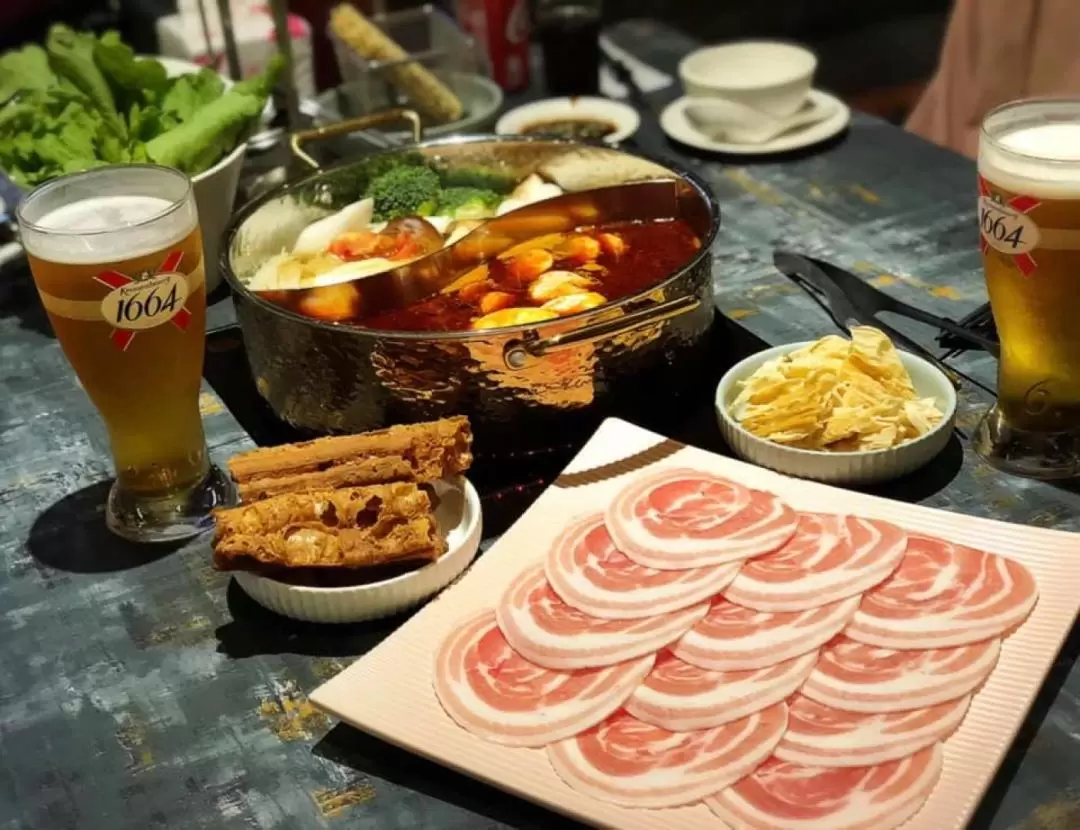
(624, 118)
(769, 76)
(839, 467)
(458, 516)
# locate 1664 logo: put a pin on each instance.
(135, 305)
(1005, 226)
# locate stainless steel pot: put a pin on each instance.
(527, 385)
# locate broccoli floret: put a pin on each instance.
(481, 176)
(468, 202)
(404, 191)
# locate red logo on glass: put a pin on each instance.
(136, 304)
(1005, 226)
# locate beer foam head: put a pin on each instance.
(1041, 159)
(86, 224)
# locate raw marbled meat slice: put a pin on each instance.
(682, 518)
(820, 736)
(828, 559)
(944, 595)
(545, 630)
(626, 761)
(492, 691)
(859, 678)
(783, 796)
(733, 638)
(683, 698)
(589, 573)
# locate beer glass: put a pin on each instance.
(1029, 223)
(117, 259)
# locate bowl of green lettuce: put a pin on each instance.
(82, 101)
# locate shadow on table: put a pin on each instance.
(922, 483)
(19, 298)
(253, 630)
(371, 756)
(71, 536)
(1002, 781)
(226, 370)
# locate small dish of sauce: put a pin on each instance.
(581, 118)
(585, 129)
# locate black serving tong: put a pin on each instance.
(867, 302)
(980, 321)
(851, 302)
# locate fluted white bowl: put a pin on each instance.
(458, 517)
(839, 467)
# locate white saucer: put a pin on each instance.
(673, 121)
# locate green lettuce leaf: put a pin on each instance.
(144, 122)
(131, 79)
(187, 94)
(46, 133)
(215, 129)
(25, 69)
(71, 55)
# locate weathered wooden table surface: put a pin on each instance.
(141, 689)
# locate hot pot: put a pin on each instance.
(528, 385)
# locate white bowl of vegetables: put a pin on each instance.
(83, 101)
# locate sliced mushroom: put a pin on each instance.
(613, 244)
(579, 249)
(558, 284)
(574, 303)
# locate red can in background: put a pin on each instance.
(501, 27)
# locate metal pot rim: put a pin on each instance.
(519, 331)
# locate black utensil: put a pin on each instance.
(868, 301)
(817, 278)
(980, 321)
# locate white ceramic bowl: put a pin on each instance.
(625, 118)
(839, 467)
(771, 77)
(215, 188)
(458, 516)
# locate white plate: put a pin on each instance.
(673, 121)
(624, 117)
(458, 517)
(389, 691)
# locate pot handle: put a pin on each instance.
(518, 353)
(351, 125)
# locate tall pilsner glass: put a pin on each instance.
(1029, 221)
(117, 258)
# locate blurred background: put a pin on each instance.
(877, 56)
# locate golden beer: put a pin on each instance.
(1029, 225)
(117, 258)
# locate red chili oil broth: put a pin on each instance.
(654, 250)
